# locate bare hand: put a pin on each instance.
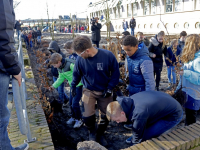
(19, 78)
(154, 55)
(181, 72)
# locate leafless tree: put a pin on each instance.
(16, 3)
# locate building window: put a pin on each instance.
(146, 7)
(153, 7)
(198, 4)
(169, 5)
(122, 7)
(138, 26)
(188, 5)
(197, 25)
(145, 26)
(176, 25)
(111, 11)
(186, 25)
(135, 8)
(120, 11)
(129, 10)
(151, 26)
(167, 25)
(178, 5)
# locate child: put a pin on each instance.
(68, 48)
(141, 38)
(30, 39)
(181, 41)
(149, 118)
(191, 76)
(170, 61)
(65, 70)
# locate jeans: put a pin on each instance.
(18, 34)
(171, 70)
(159, 127)
(125, 29)
(61, 92)
(157, 73)
(4, 112)
(74, 103)
(132, 31)
(39, 39)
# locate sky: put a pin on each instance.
(37, 9)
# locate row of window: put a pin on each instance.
(150, 7)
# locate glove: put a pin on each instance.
(107, 93)
(73, 92)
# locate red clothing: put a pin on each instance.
(82, 28)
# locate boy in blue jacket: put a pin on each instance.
(149, 116)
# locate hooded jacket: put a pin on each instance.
(65, 71)
(8, 56)
(96, 33)
(191, 77)
(140, 68)
(146, 108)
(156, 48)
(54, 48)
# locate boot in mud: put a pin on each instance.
(90, 123)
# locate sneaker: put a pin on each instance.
(71, 121)
(128, 126)
(78, 123)
(129, 140)
(24, 146)
(157, 89)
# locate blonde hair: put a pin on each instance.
(173, 42)
(55, 58)
(162, 33)
(113, 109)
(192, 45)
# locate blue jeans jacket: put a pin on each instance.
(4, 112)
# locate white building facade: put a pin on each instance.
(176, 15)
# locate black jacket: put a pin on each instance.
(39, 33)
(17, 25)
(132, 23)
(156, 48)
(96, 33)
(146, 108)
(8, 57)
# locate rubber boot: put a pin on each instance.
(90, 123)
(102, 126)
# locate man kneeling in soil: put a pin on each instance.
(151, 112)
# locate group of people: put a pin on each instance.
(76, 28)
(132, 25)
(93, 73)
(31, 37)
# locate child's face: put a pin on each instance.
(130, 50)
(140, 37)
(182, 38)
(160, 39)
(69, 50)
(120, 118)
(57, 65)
(175, 44)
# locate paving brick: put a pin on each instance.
(154, 145)
(160, 144)
(140, 146)
(49, 148)
(171, 140)
(191, 139)
(147, 146)
(186, 140)
(196, 136)
(167, 143)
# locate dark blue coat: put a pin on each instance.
(146, 108)
(140, 68)
(171, 55)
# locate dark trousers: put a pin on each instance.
(191, 116)
(157, 73)
(96, 42)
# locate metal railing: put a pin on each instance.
(20, 96)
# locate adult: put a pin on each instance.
(157, 48)
(9, 65)
(18, 27)
(132, 25)
(39, 34)
(98, 69)
(125, 25)
(96, 33)
(151, 113)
